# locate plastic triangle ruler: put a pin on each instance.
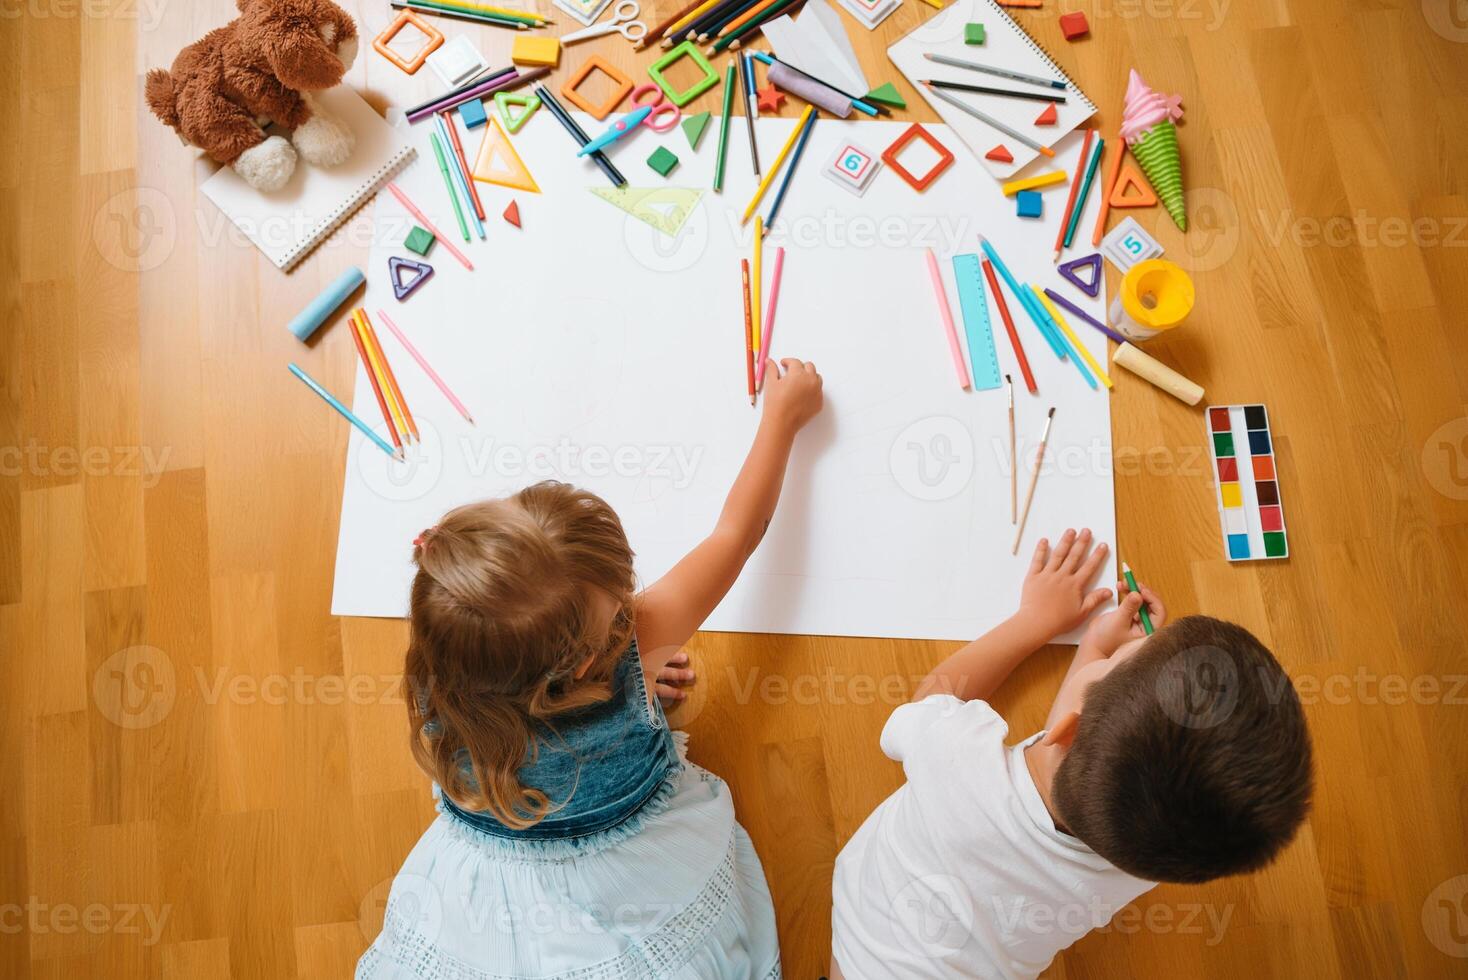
(665, 208)
(498, 163)
(983, 358)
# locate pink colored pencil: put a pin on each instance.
(947, 314)
(769, 326)
(428, 370)
(423, 220)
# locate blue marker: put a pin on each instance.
(617, 130)
(1025, 299)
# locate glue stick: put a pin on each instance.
(325, 304)
(1155, 295)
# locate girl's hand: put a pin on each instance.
(1124, 622)
(1055, 598)
(793, 398)
(673, 678)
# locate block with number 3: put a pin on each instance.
(853, 167)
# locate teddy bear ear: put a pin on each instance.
(301, 59)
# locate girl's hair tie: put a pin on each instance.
(424, 536)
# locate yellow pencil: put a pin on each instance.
(1074, 340)
(769, 177)
(377, 372)
(759, 234)
(392, 378)
(670, 35)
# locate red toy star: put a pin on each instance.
(769, 98)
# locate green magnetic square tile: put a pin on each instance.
(685, 50)
(973, 33)
(662, 160)
(1274, 544)
(419, 240)
(1223, 444)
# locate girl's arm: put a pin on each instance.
(1056, 598)
(673, 607)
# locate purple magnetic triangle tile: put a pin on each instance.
(395, 267)
(1069, 271)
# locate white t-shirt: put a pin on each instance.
(961, 873)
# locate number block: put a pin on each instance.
(852, 167)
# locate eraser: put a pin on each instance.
(325, 304)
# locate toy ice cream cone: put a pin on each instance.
(1148, 126)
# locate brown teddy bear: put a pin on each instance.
(258, 69)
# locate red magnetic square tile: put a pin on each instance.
(916, 131)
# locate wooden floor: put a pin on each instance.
(203, 774)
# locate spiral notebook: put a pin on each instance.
(1006, 46)
(287, 224)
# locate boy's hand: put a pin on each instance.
(1055, 598)
(1125, 622)
(793, 398)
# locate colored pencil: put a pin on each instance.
(871, 109)
(458, 13)
(345, 412)
(1074, 341)
(531, 19)
(676, 24)
(1062, 346)
(724, 128)
(769, 324)
(374, 365)
(423, 220)
(775, 167)
(749, 84)
(1131, 583)
(499, 83)
(747, 15)
(989, 120)
(1013, 456)
(713, 15)
(742, 63)
(718, 21)
(427, 368)
(790, 172)
(1031, 309)
(392, 378)
(1014, 76)
(659, 31)
(946, 313)
(461, 176)
(1070, 202)
(1034, 479)
(1084, 315)
(448, 122)
(392, 429)
(448, 184)
(988, 90)
(1019, 350)
(578, 134)
(748, 330)
(735, 37)
(758, 281)
(477, 80)
(1075, 219)
(1107, 186)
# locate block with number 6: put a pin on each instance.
(853, 167)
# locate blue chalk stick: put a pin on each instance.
(324, 305)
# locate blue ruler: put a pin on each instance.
(982, 356)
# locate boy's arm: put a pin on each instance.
(671, 609)
(1056, 598)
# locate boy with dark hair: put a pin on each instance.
(1181, 756)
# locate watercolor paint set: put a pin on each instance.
(1249, 510)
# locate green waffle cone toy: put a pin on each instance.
(1148, 125)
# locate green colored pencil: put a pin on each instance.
(448, 184)
(1131, 583)
(1075, 216)
(469, 13)
(724, 128)
(774, 11)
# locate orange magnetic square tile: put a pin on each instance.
(409, 65)
(622, 82)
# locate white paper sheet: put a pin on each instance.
(592, 349)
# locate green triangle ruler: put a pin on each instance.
(665, 208)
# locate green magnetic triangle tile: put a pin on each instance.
(887, 94)
(528, 104)
(694, 126)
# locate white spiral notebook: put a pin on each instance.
(287, 224)
(1007, 46)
